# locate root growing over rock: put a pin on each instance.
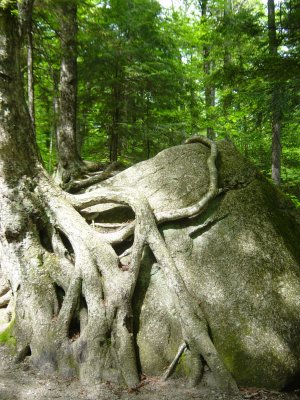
(72, 290)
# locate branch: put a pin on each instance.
(173, 364)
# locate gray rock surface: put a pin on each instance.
(240, 259)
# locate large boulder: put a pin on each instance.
(240, 259)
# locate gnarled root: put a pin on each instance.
(193, 321)
(69, 170)
(6, 303)
(77, 185)
(73, 302)
(73, 293)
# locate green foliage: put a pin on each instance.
(46, 71)
(135, 79)
(295, 200)
(142, 78)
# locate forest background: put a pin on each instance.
(148, 77)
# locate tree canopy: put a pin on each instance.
(149, 77)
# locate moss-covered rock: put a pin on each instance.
(240, 259)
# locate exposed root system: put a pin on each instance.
(73, 291)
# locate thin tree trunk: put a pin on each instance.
(227, 57)
(30, 74)
(276, 149)
(210, 92)
(148, 142)
(209, 89)
(116, 119)
(193, 109)
(67, 150)
(55, 105)
(114, 142)
(227, 42)
(276, 112)
(50, 152)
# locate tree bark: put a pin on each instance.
(209, 89)
(70, 164)
(227, 57)
(30, 73)
(68, 156)
(116, 117)
(16, 143)
(276, 112)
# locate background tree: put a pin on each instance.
(162, 86)
(134, 79)
(208, 69)
(276, 98)
(30, 67)
(67, 142)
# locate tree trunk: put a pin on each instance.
(66, 140)
(276, 112)
(194, 114)
(227, 42)
(227, 59)
(30, 74)
(116, 118)
(209, 89)
(16, 144)
(55, 109)
(51, 257)
(68, 157)
(71, 284)
(70, 164)
(114, 139)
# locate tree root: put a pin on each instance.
(212, 192)
(77, 278)
(194, 327)
(66, 172)
(76, 186)
(6, 304)
(193, 321)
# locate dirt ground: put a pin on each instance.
(22, 382)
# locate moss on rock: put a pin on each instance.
(240, 259)
(7, 337)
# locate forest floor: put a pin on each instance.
(22, 382)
